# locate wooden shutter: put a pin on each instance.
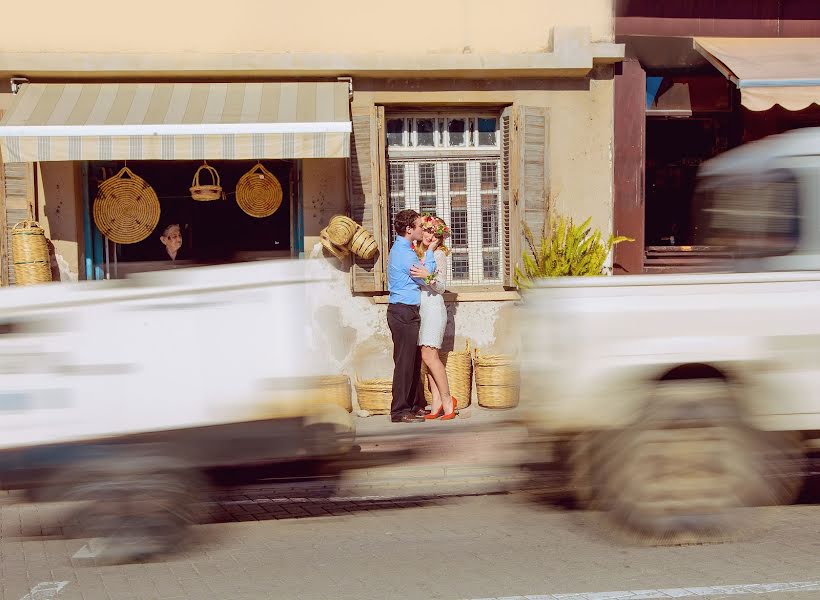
(524, 133)
(17, 198)
(367, 185)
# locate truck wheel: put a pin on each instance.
(138, 507)
(681, 471)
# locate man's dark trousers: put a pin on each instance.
(404, 322)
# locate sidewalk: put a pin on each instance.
(480, 450)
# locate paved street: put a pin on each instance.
(401, 544)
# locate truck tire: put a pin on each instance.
(679, 474)
(137, 506)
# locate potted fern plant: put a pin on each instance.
(569, 250)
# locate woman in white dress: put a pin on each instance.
(434, 318)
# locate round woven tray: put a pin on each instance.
(375, 395)
(335, 389)
(497, 380)
(258, 192)
(206, 192)
(127, 209)
(363, 244)
(339, 252)
(459, 368)
(341, 229)
(29, 250)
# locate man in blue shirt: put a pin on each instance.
(404, 276)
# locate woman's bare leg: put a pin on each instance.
(435, 405)
(439, 374)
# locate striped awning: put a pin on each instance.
(176, 121)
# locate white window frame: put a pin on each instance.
(441, 154)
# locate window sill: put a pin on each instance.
(498, 295)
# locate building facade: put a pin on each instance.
(488, 116)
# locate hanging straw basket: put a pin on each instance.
(459, 367)
(335, 389)
(375, 395)
(206, 193)
(127, 209)
(497, 380)
(258, 192)
(29, 250)
(341, 229)
(339, 252)
(362, 244)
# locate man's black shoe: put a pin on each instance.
(408, 418)
(421, 412)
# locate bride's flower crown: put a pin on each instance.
(435, 225)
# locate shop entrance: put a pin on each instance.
(213, 232)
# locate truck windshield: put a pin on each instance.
(751, 215)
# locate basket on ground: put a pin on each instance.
(339, 252)
(29, 251)
(340, 230)
(206, 192)
(335, 389)
(459, 367)
(259, 192)
(127, 209)
(362, 244)
(497, 380)
(375, 395)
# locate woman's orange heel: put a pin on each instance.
(435, 415)
(451, 415)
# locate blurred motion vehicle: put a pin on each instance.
(119, 396)
(671, 401)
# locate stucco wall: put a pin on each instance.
(357, 26)
(59, 207)
(324, 194)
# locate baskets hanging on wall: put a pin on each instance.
(206, 192)
(126, 209)
(375, 395)
(362, 244)
(459, 368)
(29, 250)
(497, 380)
(259, 192)
(335, 389)
(339, 252)
(340, 230)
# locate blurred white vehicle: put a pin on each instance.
(120, 394)
(671, 400)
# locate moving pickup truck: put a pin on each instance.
(119, 396)
(670, 402)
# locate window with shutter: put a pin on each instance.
(17, 189)
(366, 193)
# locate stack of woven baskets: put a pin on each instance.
(343, 236)
(29, 251)
(496, 378)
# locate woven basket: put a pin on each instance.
(497, 380)
(127, 209)
(339, 252)
(335, 389)
(341, 229)
(362, 244)
(375, 395)
(206, 193)
(29, 250)
(258, 192)
(459, 367)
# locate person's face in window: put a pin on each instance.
(172, 240)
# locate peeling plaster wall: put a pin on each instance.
(59, 214)
(356, 339)
(324, 194)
